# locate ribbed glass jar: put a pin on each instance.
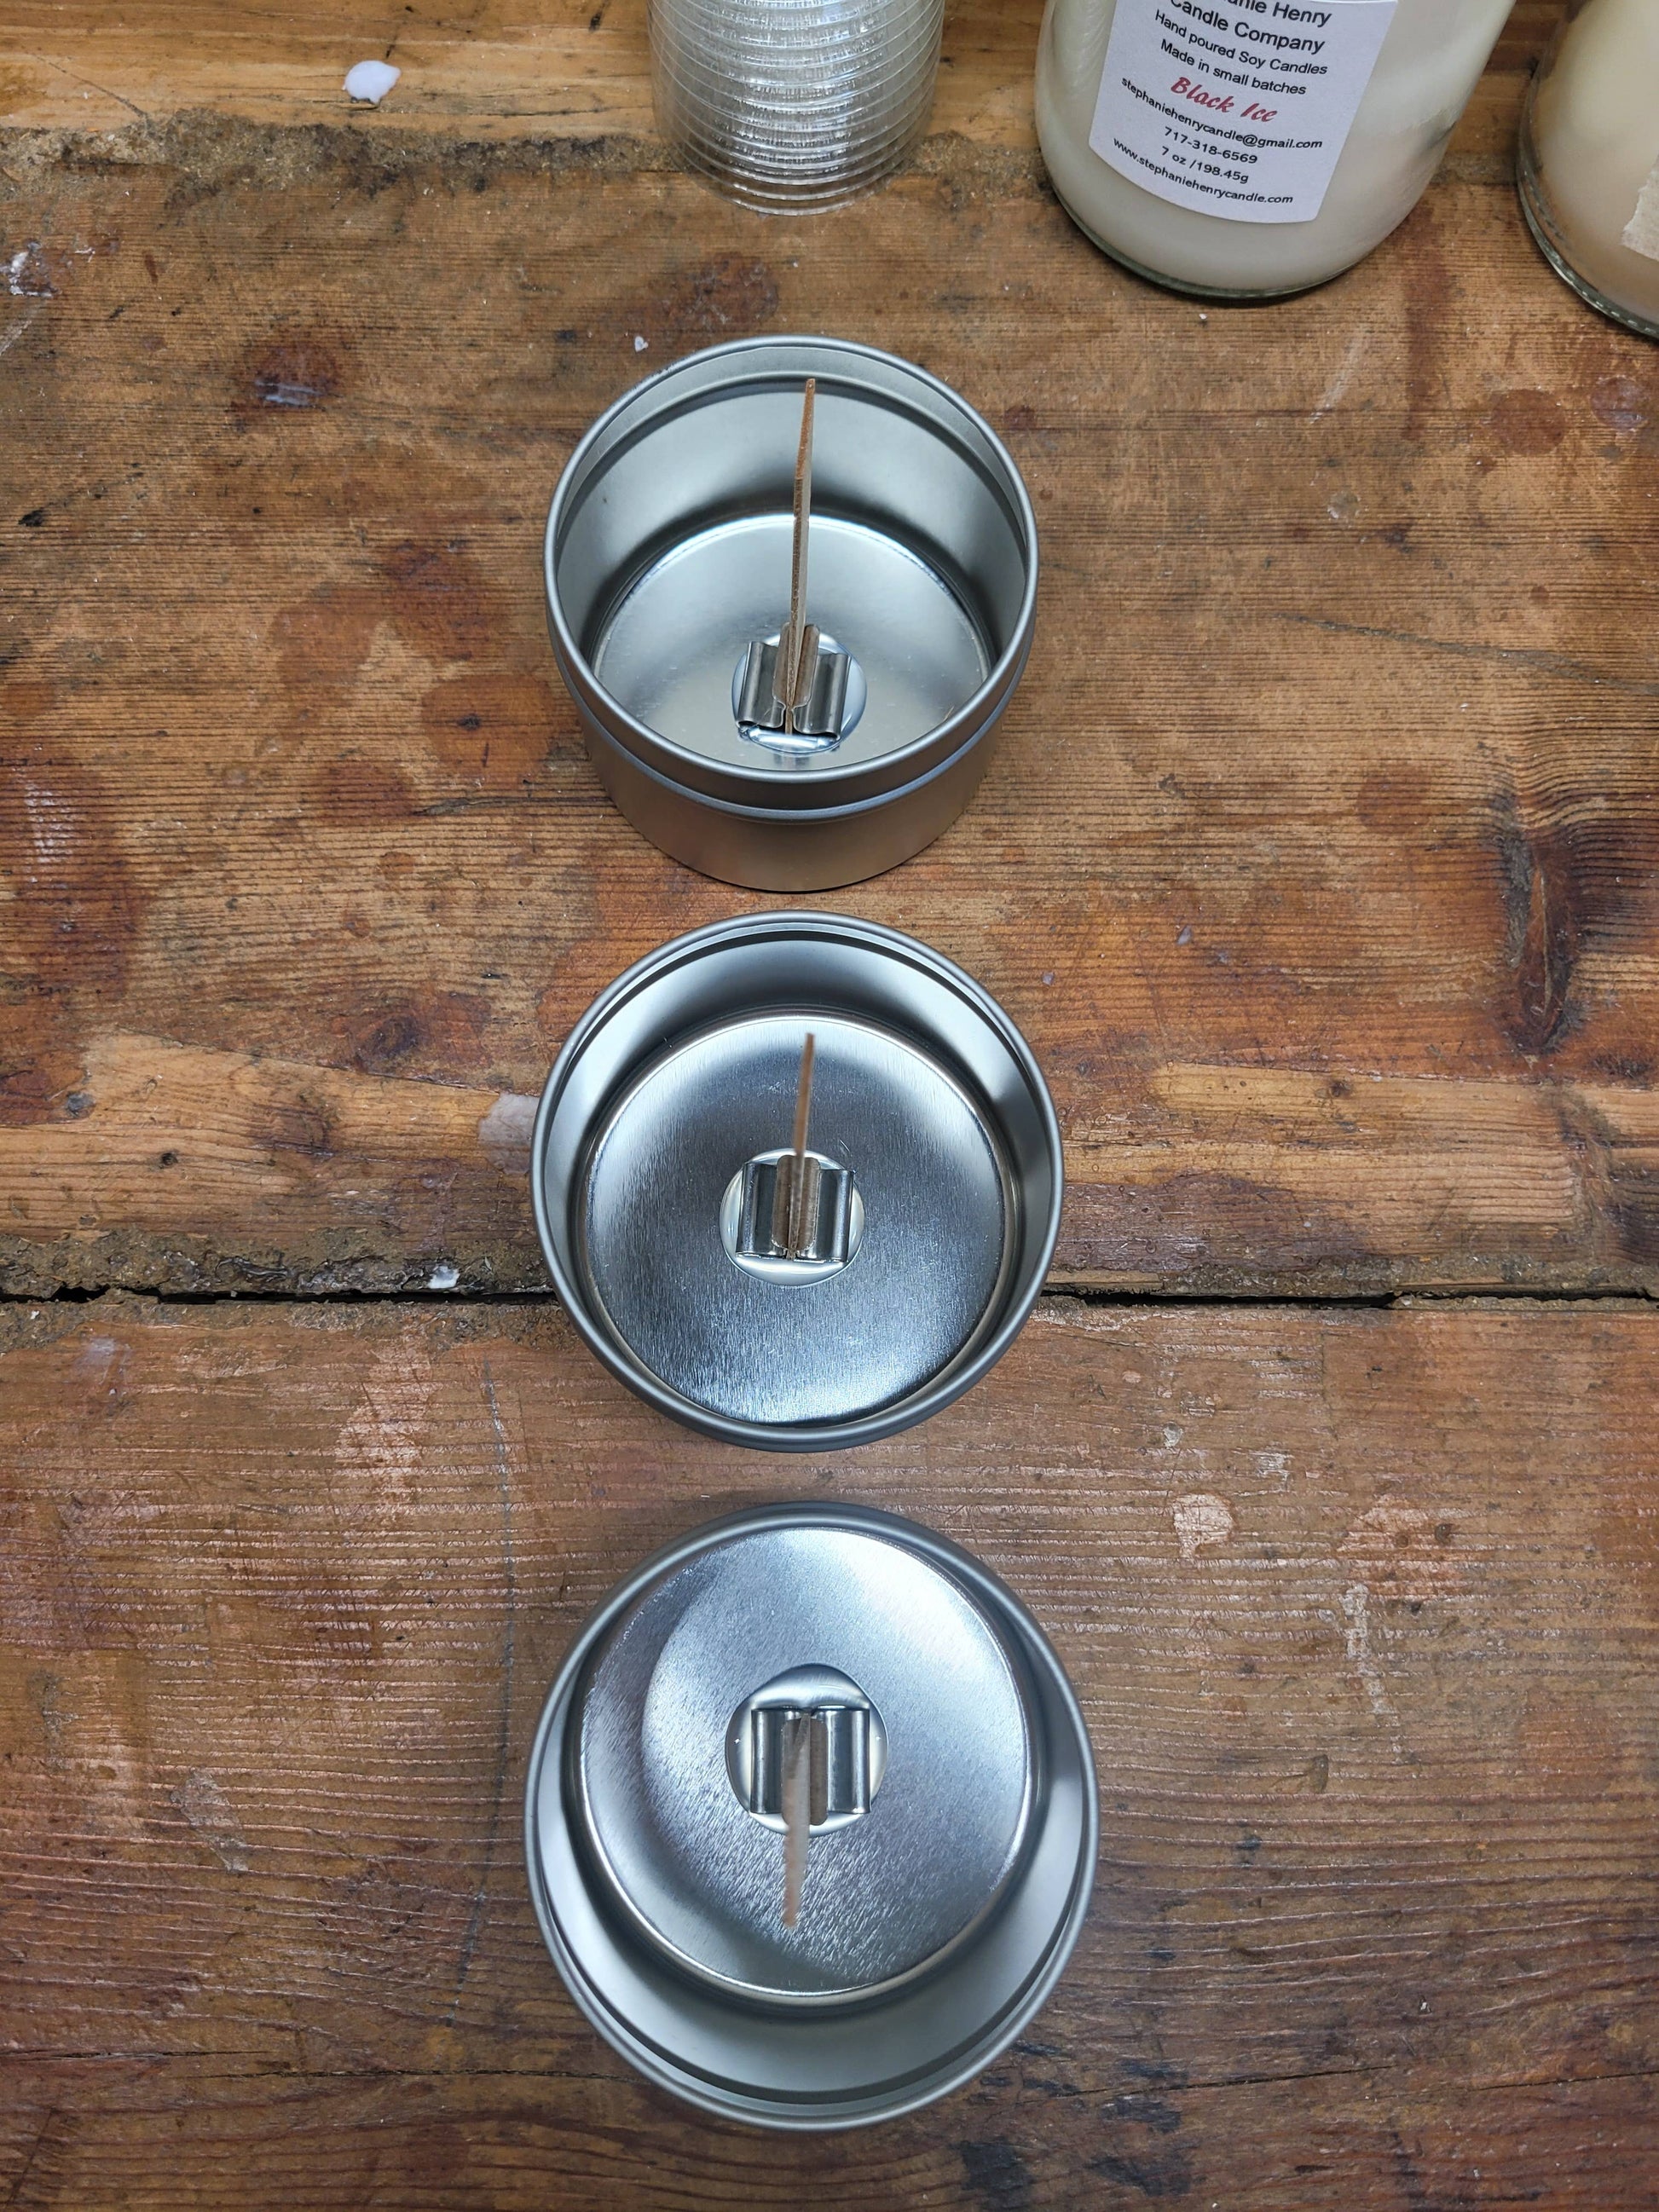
(1588, 168)
(794, 103)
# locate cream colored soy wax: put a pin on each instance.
(1251, 147)
(1589, 157)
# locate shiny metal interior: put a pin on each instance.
(937, 1912)
(679, 1076)
(668, 554)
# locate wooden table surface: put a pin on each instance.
(1320, 862)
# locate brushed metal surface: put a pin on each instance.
(669, 650)
(884, 1895)
(807, 2057)
(686, 1069)
(937, 1217)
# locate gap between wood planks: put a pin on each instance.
(200, 2069)
(1053, 1294)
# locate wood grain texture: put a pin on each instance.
(498, 69)
(505, 69)
(1361, 1606)
(1319, 863)
(1319, 860)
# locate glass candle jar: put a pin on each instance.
(794, 103)
(1240, 148)
(1588, 168)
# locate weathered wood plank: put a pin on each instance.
(166, 2137)
(1361, 1605)
(504, 70)
(508, 69)
(1319, 862)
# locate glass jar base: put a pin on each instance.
(1535, 209)
(1224, 295)
(764, 195)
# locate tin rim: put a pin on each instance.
(841, 810)
(798, 2003)
(926, 2083)
(964, 1371)
(859, 783)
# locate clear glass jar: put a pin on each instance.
(794, 103)
(1277, 142)
(1589, 167)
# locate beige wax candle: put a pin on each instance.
(1251, 146)
(1589, 157)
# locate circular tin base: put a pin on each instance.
(668, 554)
(744, 1344)
(685, 1070)
(885, 1896)
(976, 1904)
(669, 650)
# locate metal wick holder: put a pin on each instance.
(819, 725)
(846, 1747)
(792, 1215)
(756, 1224)
(796, 1207)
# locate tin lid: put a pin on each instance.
(950, 1792)
(786, 1281)
(917, 1737)
(719, 1315)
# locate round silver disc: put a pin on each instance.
(668, 651)
(885, 1895)
(936, 1233)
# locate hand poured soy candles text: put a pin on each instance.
(1251, 147)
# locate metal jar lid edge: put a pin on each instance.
(954, 2070)
(886, 1421)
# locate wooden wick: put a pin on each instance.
(793, 685)
(798, 1179)
(797, 1813)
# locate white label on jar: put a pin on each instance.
(1641, 232)
(1236, 107)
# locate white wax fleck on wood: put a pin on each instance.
(371, 81)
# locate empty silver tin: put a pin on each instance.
(954, 1818)
(666, 1114)
(668, 551)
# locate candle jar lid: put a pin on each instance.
(661, 1166)
(670, 567)
(684, 1821)
(950, 1843)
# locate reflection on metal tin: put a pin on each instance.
(945, 1808)
(790, 1244)
(748, 496)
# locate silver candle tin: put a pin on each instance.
(668, 1110)
(954, 1821)
(668, 552)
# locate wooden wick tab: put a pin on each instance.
(795, 1207)
(793, 685)
(797, 1813)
